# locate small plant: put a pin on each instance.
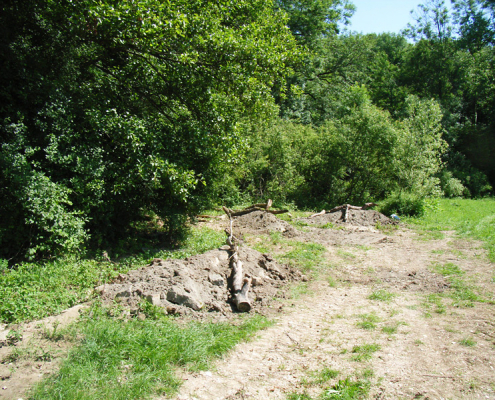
(364, 352)
(381, 295)
(391, 329)
(468, 342)
(325, 375)
(368, 322)
(347, 389)
(13, 337)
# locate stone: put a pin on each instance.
(153, 298)
(100, 289)
(216, 279)
(125, 292)
(256, 281)
(178, 295)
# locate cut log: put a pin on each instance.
(241, 299)
(269, 204)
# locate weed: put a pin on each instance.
(381, 295)
(14, 336)
(468, 342)
(368, 322)
(347, 389)
(346, 255)
(364, 352)
(331, 281)
(298, 290)
(448, 269)
(325, 375)
(390, 329)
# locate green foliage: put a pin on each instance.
(451, 187)
(136, 359)
(110, 111)
(403, 204)
(381, 295)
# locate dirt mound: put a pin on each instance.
(199, 283)
(354, 217)
(262, 222)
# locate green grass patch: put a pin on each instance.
(468, 342)
(35, 290)
(368, 321)
(133, 359)
(381, 295)
(390, 329)
(344, 389)
(469, 218)
(347, 389)
(462, 293)
(305, 256)
(364, 352)
(448, 269)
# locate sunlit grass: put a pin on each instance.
(469, 218)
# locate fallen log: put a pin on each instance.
(322, 212)
(240, 285)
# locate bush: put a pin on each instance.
(404, 204)
(451, 187)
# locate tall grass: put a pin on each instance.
(132, 359)
(469, 218)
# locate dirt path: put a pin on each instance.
(426, 345)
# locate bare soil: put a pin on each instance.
(425, 351)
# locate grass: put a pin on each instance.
(463, 294)
(364, 352)
(469, 218)
(132, 359)
(392, 328)
(381, 295)
(36, 290)
(468, 342)
(305, 256)
(344, 389)
(368, 321)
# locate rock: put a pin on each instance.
(141, 316)
(256, 281)
(125, 292)
(153, 298)
(171, 310)
(100, 289)
(178, 295)
(216, 279)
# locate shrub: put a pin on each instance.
(404, 204)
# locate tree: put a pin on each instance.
(126, 108)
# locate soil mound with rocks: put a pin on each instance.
(199, 283)
(262, 222)
(354, 217)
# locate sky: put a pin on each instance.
(377, 16)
